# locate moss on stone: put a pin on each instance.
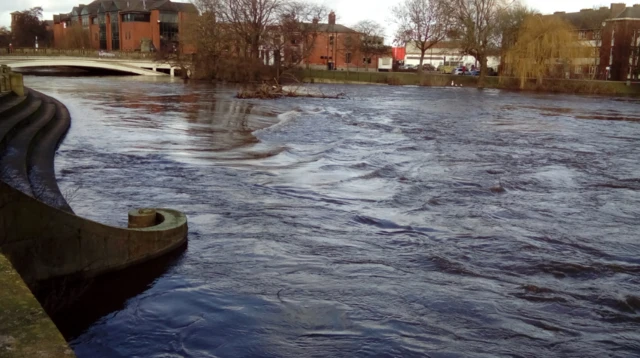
(25, 328)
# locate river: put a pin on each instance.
(396, 222)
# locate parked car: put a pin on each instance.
(458, 71)
(474, 73)
(428, 67)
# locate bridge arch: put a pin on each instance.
(83, 63)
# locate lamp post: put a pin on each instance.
(36, 43)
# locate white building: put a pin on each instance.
(445, 52)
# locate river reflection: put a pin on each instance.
(367, 226)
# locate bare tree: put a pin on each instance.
(371, 42)
(249, 20)
(301, 22)
(350, 45)
(206, 34)
(28, 26)
(77, 37)
(421, 23)
(476, 27)
(510, 20)
(5, 37)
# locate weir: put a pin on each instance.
(41, 239)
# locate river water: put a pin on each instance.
(397, 222)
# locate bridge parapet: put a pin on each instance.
(150, 56)
(129, 55)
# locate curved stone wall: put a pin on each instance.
(39, 233)
(44, 242)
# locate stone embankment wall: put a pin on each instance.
(11, 81)
(41, 239)
(44, 242)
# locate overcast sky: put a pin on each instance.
(348, 12)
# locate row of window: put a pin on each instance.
(579, 70)
(347, 58)
(583, 35)
(132, 17)
(136, 18)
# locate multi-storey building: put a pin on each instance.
(620, 49)
(613, 36)
(125, 25)
(337, 46)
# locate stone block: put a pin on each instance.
(16, 83)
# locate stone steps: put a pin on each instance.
(12, 103)
(39, 233)
(31, 127)
(40, 165)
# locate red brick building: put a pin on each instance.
(338, 47)
(613, 33)
(125, 25)
(620, 48)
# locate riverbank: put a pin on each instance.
(509, 83)
(25, 328)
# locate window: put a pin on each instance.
(582, 35)
(366, 60)
(597, 35)
(85, 21)
(592, 70)
(102, 30)
(347, 57)
(577, 70)
(115, 32)
(169, 29)
(136, 18)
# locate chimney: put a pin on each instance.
(316, 20)
(144, 4)
(332, 18)
(617, 9)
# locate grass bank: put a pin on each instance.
(25, 329)
(508, 83)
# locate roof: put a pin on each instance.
(632, 12)
(135, 6)
(586, 19)
(411, 47)
(334, 28)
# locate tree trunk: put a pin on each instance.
(483, 70)
(422, 52)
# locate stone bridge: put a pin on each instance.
(145, 67)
